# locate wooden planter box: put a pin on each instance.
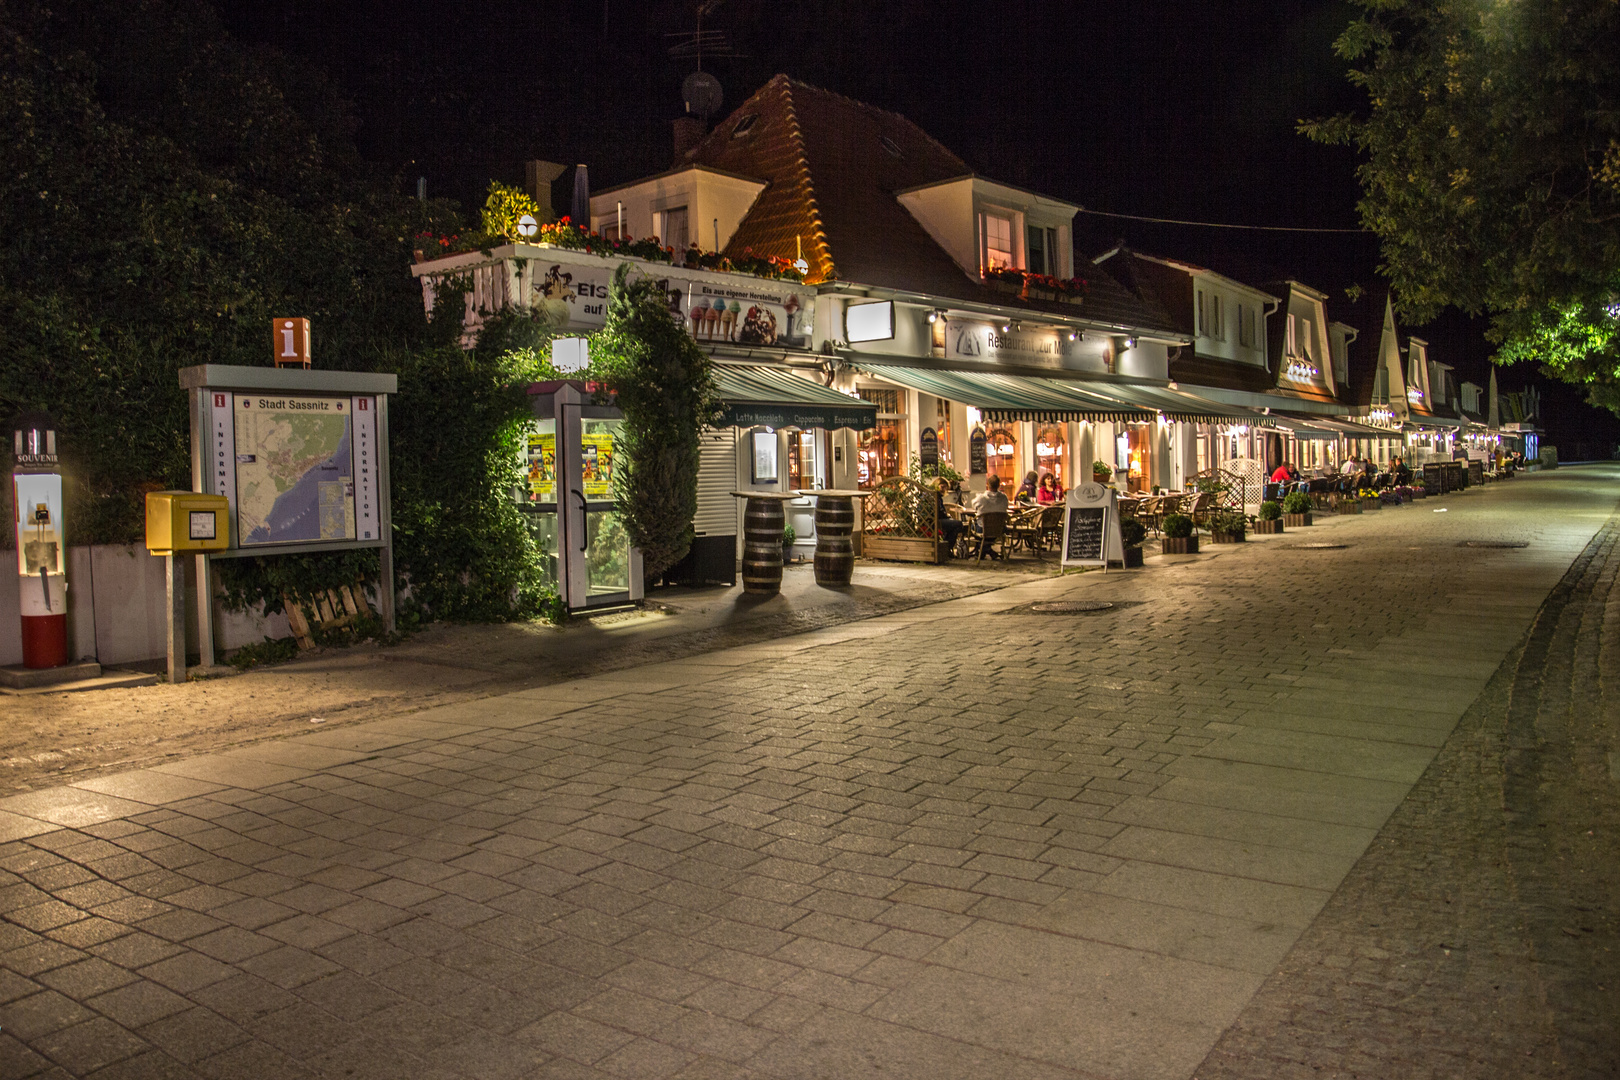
(1133, 558)
(1370, 504)
(1227, 537)
(901, 548)
(1348, 506)
(1269, 528)
(1296, 521)
(1180, 545)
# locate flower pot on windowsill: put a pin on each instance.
(1296, 521)
(1180, 545)
(1013, 287)
(1036, 293)
(1269, 528)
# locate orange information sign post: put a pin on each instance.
(289, 339)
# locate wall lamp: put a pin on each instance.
(936, 315)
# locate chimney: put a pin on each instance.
(688, 133)
(537, 178)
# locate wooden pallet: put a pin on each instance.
(331, 610)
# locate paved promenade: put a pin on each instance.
(1280, 811)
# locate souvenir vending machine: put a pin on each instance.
(36, 489)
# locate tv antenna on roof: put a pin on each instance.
(694, 44)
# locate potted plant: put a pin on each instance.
(1131, 534)
(1269, 521)
(1179, 538)
(1101, 472)
(1296, 508)
(1369, 499)
(1227, 527)
(788, 536)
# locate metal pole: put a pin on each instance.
(205, 611)
(201, 455)
(175, 591)
(385, 555)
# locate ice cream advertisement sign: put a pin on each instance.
(722, 314)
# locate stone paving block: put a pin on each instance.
(147, 786)
(92, 1045)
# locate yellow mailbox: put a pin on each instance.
(186, 521)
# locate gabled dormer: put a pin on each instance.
(696, 204)
(1300, 340)
(986, 225)
(1418, 394)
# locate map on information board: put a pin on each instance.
(294, 469)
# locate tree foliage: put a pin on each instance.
(1493, 169)
(164, 193)
(665, 386)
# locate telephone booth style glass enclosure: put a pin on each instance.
(568, 460)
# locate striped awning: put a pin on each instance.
(1007, 398)
(760, 396)
(1180, 405)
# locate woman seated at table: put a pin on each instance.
(1026, 490)
(1048, 493)
(949, 527)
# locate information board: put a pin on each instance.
(1091, 534)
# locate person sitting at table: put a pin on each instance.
(1284, 474)
(1026, 490)
(991, 500)
(949, 527)
(1400, 471)
(1048, 493)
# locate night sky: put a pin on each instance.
(1172, 110)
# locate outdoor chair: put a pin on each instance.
(1023, 528)
(1148, 511)
(1051, 528)
(992, 531)
(1200, 506)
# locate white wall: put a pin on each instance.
(946, 212)
(708, 196)
(116, 610)
(1148, 360)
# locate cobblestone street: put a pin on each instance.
(1343, 810)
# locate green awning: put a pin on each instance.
(1006, 398)
(758, 396)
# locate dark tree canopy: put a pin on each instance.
(1493, 171)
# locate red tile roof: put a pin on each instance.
(833, 166)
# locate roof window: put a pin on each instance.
(744, 126)
(891, 146)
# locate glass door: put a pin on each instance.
(601, 568)
(538, 493)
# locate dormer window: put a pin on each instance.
(891, 146)
(998, 242)
(744, 126)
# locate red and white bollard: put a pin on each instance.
(36, 488)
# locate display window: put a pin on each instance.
(1001, 455)
(1052, 453)
(878, 448)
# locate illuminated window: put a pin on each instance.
(673, 231)
(1051, 452)
(998, 241)
(878, 448)
(1001, 455)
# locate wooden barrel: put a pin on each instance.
(762, 547)
(835, 554)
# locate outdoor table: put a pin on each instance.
(835, 525)
(763, 521)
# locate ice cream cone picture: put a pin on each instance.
(730, 319)
(698, 309)
(727, 320)
(711, 319)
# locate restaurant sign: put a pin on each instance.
(988, 341)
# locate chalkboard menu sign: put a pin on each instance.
(978, 461)
(1083, 534)
(929, 450)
